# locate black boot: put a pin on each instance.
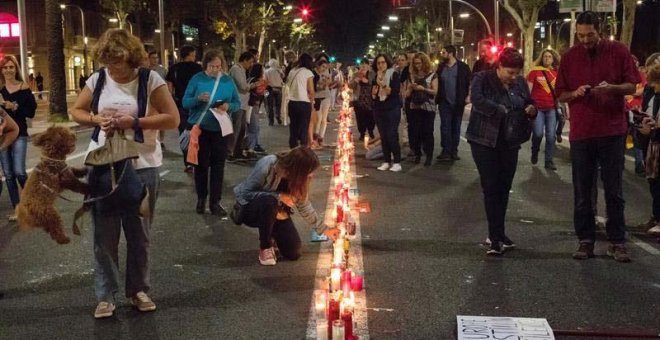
(217, 209)
(201, 206)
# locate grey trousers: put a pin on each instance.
(107, 230)
(235, 145)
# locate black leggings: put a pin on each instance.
(260, 213)
(211, 155)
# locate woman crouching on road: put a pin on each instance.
(276, 184)
(495, 94)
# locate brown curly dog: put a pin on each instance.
(48, 179)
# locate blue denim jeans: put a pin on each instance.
(450, 128)
(107, 230)
(13, 164)
(546, 122)
(253, 128)
(586, 155)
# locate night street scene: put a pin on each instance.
(330, 169)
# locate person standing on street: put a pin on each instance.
(495, 94)
(542, 80)
(118, 112)
(238, 73)
(593, 78)
(154, 65)
(39, 79)
(199, 99)
(385, 92)
(454, 87)
(274, 78)
(177, 80)
(301, 97)
(17, 99)
(486, 57)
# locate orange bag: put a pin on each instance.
(193, 145)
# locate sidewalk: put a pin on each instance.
(41, 122)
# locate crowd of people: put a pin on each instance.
(216, 107)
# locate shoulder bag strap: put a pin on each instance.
(552, 89)
(208, 105)
(96, 96)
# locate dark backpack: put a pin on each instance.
(143, 96)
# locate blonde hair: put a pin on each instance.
(6, 59)
(118, 43)
(426, 63)
(555, 58)
(652, 59)
(653, 74)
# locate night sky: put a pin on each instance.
(345, 27)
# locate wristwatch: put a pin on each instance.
(136, 123)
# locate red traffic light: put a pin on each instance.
(494, 49)
(304, 12)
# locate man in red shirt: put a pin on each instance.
(594, 76)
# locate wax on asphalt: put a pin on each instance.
(422, 260)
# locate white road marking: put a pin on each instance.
(162, 174)
(649, 249)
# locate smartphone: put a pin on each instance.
(587, 90)
(638, 118)
(217, 103)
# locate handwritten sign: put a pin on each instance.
(500, 328)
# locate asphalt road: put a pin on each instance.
(422, 261)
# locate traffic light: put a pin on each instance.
(358, 61)
(332, 59)
(494, 50)
(304, 12)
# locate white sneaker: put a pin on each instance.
(143, 303)
(267, 257)
(384, 166)
(103, 310)
(655, 231)
(396, 167)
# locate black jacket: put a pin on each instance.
(490, 102)
(462, 85)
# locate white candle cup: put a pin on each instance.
(338, 330)
(322, 330)
(335, 279)
(321, 303)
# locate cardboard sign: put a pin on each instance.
(500, 328)
(566, 6)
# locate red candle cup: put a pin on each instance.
(335, 168)
(347, 317)
(357, 283)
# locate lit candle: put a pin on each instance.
(346, 282)
(322, 330)
(335, 279)
(335, 168)
(321, 303)
(347, 317)
(338, 253)
(338, 330)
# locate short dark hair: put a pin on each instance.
(210, 55)
(305, 60)
(589, 18)
(320, 62)
(511, 58)
(254, 51)
(451, 49)
(388, 61)
(245, 56)
(186, 50)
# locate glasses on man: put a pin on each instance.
(215, 66)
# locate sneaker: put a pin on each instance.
(396, 167)
(189, 169)
(619, 252)
(655, 231)
(143, 302)
(217, 209)
(383, 166)
(535, 158)
(559, 138)
(507, 244)
(267, 257)
(585, 251)
(454, 157)
(495, 249)
(12, 217)
(251, 155)
(259, 149)
(550, 166)
(104, 310)
(428, 161)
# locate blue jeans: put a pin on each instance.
(586, 155)
(107, 230)
(253, 128)
(450, 128)
(546, 121)
(13, 164)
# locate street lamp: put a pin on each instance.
(380, 35)
(82, 19)
(464, 15)
(385, 28)
(297, 20)
(393, 18)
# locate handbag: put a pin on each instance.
(517, 128)
(196, 131)
(420, 97)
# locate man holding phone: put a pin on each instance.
(593, 78)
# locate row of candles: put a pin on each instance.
(335, 303)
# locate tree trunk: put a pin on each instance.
(628, 25)
(262, 38)
(56, 76)
(239, 36)
(528, 49)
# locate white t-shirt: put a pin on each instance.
(298, 85)
(123, 98)
(274, 77)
